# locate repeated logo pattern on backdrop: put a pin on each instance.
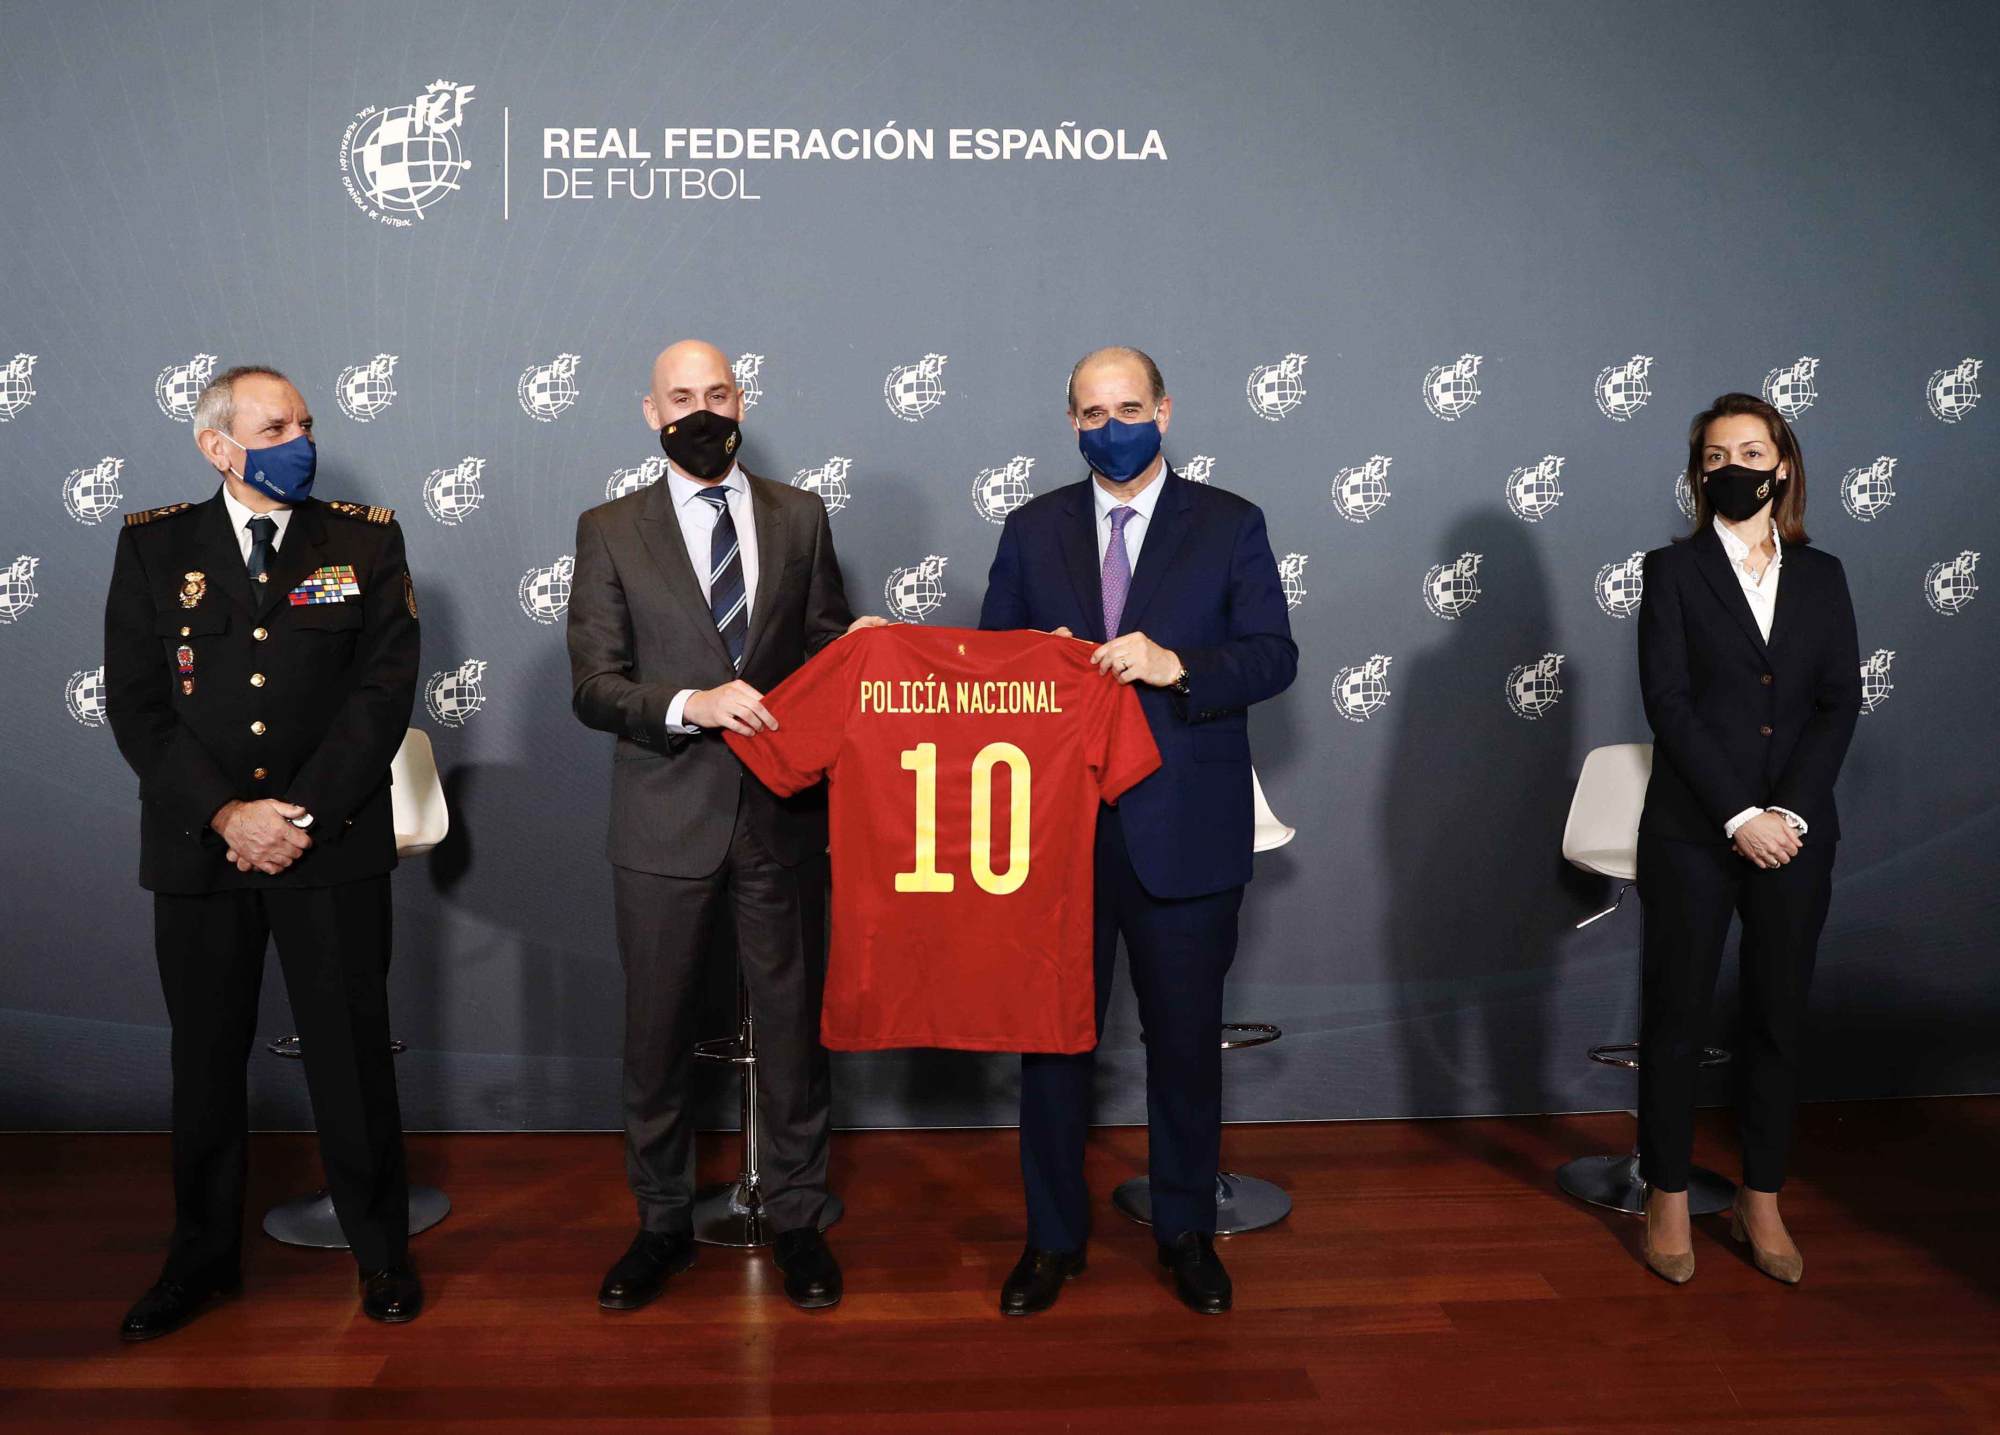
(1464, 433)
(913, 591)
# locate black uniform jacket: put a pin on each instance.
(299, 688)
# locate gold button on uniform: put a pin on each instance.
(258, 728)
(260, 774)
(260, 634)
(256, 680)
(1765, 680)
(186, 632)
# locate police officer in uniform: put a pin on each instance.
(260, 664)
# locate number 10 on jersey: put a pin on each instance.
(923, 761)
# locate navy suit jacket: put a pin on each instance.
(1206, 586)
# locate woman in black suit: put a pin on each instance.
(1751, 674)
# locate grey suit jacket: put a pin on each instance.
(640, 631)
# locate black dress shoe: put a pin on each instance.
(1037, 1279)
(392, 1296)
(641, 1273)
(812, 1275)
(1199, 1279)
(168, 1306)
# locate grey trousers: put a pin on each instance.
(665, 926)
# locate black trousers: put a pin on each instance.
(1689, 891)
(1179, 950)
(665, 926)
(333, 944)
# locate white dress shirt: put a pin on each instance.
(1761, 593)
(240, 516)
(697, 517)
(1142, 505)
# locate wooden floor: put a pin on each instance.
(1430, 1279)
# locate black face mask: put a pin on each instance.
(702, 443)
(1737, 492)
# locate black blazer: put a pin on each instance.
(195, 654)
(640, 631)
(1737, 721)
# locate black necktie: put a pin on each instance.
(263, 547)
(728, 601)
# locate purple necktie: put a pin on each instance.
(1117, 580)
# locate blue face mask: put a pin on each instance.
(284, 471)
(1118, 450)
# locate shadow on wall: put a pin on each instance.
(1472, 828)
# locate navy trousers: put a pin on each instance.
(1179, 950)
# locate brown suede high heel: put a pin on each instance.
(1677, 1267)
(1789, 1269)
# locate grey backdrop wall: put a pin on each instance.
(1621, 211)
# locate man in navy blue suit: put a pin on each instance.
(1176, 582)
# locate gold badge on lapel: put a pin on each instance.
(194, 587)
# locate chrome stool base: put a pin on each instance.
(723, 1217)
(309, 1220)
(1242, 1203)
(1614, 1182)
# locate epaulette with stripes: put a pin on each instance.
(148, 515)
(365, 512)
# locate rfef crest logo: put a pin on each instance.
(1451, 389)
(544, 592)
(90, 494)
(630, 480)
(1452, 588)
(1621, 586)
(1274, 390)
(1866, 492)
(83, 695)
(1198, 469)
(745, 370)
(913, 390)
(366, 390)
(1949, 586)
(179, 385)
(456, 694)
(1359, 492)
(452, 495)
(1789, 387)
(829, 481)
(17, 588)
(1621, 389)
(1362, 689)
(997, 492)
(547, 391)
(1534, 489)
(398, 162)
(17, 385)
(916, 592)
(1953, 393)
(1875, 684)
(1292, 578)
(1534, 688)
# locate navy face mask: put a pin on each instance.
(1118, 450)
(284, 471)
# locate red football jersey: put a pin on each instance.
(964, 772)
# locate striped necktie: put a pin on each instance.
(728, 599)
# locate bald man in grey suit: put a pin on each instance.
(691, 598)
